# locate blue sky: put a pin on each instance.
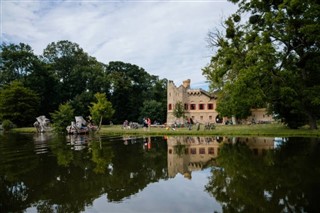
(167, 38)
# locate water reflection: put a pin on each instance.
(73, 172)
(192, 153)
(77, 142)
(255, 179)
(41, 142)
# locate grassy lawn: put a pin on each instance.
(271, 130)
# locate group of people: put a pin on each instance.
(146, 123)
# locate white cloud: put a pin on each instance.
(166, 38)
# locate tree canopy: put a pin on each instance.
(65, 73)
(271, 58)
(131, 86)
(62, 117)
(101, 109)
(18, 104)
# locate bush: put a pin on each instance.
(7, 125)
(62, 118)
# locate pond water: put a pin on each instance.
(50, 173)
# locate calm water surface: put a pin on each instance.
(49, 173)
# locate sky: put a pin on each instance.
(166, 38)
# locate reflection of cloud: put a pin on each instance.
(172, 195)
(165, 38)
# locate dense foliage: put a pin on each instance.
(269, 54)
(62, 117)
(66, 73)
(18, 104)
(101, 109)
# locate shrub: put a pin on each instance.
(7, 125)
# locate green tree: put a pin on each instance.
(62, 118)
(81, 102)
(158, 93)
(101, 109)
(44, 82)
(18, 104)
(130, 87)
(17, 61)
(275, 54)
(178, 110)
(76, 71)
(7, 125)
(153, 110)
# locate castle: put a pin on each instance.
(200, 106)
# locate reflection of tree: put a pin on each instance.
(70, 185)
(281, 180)
(134, 169)
(63, 153)
(179, 149)
(100, 156)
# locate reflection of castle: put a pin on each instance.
(187, 154)
(192, 153)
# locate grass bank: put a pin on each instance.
(272, 130)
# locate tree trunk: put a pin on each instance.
(100, 124)
(312, 121)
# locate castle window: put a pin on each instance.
(170, 107)
(201, 106)
(211, 150)
(193, 151)
(201, 117)
(192, 106)
(202, 151)
(210, 106)
(210, 117)
(186, 106)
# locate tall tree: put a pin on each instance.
(44, 82)
(101, 109)
(275, 54)
(76, 70)
(17, 61)
(129, 86)
(18, 104)
(157, 99)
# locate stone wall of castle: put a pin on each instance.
(200, 105)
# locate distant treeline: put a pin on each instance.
(64, 73)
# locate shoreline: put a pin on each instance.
(271, 130)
